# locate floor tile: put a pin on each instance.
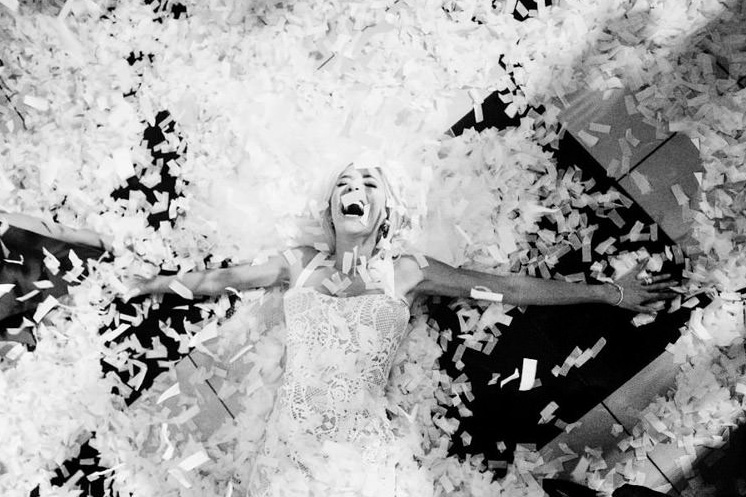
(212, 413)
(666, 457)
(225, 377)
(672, 164)
(636, 394)
(588, 108)
(594, 432)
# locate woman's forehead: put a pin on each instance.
(353, 171)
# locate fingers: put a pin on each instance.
(667, 295)
(660, 286)
(651, 308)
(657, 278)
(644, 309)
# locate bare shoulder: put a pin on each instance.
(303, 255)
(409, 274)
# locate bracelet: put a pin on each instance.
(621, 293)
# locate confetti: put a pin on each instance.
(5, 288)
(510, 378)
(528, 374)
(181, 290)
(172, 391)
(483, 293)
(43, 309)
(599, 128)
(641, 182)
(630, 105)
(587, 138)
(195, 460)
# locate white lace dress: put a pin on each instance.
(328, 433)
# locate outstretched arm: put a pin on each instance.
(216, 281)
(57, 231)
(439, 278)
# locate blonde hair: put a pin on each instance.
(395, 212)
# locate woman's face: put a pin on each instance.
(358, 201)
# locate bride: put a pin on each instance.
(347, 311)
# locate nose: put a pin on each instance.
(352, 186)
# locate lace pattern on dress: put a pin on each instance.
(339, 352)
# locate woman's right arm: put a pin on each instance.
(215, 281)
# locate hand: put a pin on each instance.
(645, 295)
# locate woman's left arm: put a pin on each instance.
(438, 278)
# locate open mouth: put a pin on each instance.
(353, 203)
(356, 209)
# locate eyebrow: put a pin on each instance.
(365, 176)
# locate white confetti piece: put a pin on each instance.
(599, 128)
(643, 319)
(641, 181)
(352, 197)
(478, 115)
(510, 378)
(171, 391)
(36, 102)
(587, 138)
(290, 257)
(209, 332)
(631, 139)
(180, 289)
(122, 159)
(50, 261)
(195, 460)
(483, 293)
(15, 352)
(679, 194)
(347, 261)
(421, 260)
(179, 476)
(43, 284)
(113, 334)
(5, 288)
(578, 473)
(548, 412)
(528, 374)
(27, 296)
(630, 105)
(43, 309)
(240, 353)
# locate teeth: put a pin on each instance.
(353, 203)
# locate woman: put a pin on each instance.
(346, 314)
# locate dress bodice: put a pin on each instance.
(339, 352)
(328, 433)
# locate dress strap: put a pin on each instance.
(318, 260)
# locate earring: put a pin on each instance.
(385, 227)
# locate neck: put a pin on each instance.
(362, 246)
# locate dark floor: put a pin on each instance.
(549, 334)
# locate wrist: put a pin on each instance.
(615, 293)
